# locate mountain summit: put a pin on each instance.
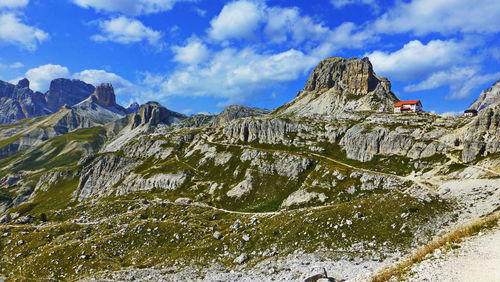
(339, 85)
(488, 97)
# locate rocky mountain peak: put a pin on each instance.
(152, 113)
(235, 112)
(353, 75)
(490, 96)
(338, 86)
(67, 91)
(104, 95)
(23, 83)
(133, 108)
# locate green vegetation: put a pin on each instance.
(160, 234)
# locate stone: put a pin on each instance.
(182, 201)
(217, 235)
(241, 259)
(6, 218)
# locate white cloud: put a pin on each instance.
(130, 7)
(342, 3)
(443, 16)
(13, 3)
(194, 52)
(282, 23)
(41, 76)
(96, 77)
(235, 75)
(125, 30)
(416, 60)
(461, 81)
(16, 65)
(14, 31)
(237, 20)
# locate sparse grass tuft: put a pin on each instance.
(453, 237)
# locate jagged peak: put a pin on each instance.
(23, 83)
(488, 97)
(153, 113)
(104, 94)
(339, 86)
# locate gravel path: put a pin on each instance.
(477, 259)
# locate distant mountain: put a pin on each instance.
(338, 86)
(69, 92)
(19, 102)
(101, 106)
(488, 97)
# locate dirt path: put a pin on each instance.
(477, 259)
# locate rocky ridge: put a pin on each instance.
(490, 96)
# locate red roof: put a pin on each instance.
(411, 102)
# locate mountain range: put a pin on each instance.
(91, 191)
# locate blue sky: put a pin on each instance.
(202, 55)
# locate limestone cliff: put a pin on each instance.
(490, 96)
(338, 86)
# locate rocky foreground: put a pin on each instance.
(331, 180)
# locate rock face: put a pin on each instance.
(153, 113)
(133, 108)
(69, 92)
(490, 96)
(235, 112)
(104, 95)
(481, 136)
(19, 102)
(101, 106)
(338, 86)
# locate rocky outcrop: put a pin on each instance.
(481, 135)
(235, 112)
(153, 113)
(69, 92)
(101, 106)
(490, 96)
(19, 102)
(133, 108)
(338, 86)
(104, 95)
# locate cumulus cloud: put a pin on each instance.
(461, 81)
(14, 31)
(443, 16)
(194, 52)
(96, 77)
(211, 68)
(130, 7)
(237, 20)
(125, 30)
(13, 3)
(235, 75)
(41, 76)
(416, 60)
(284, 24)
